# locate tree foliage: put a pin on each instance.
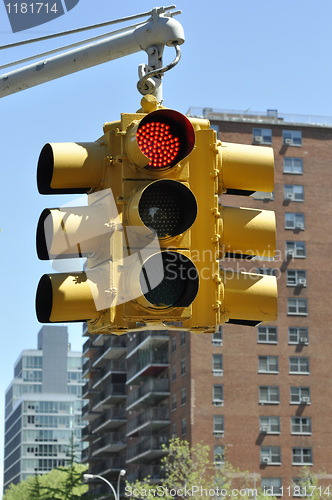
(49, 486)
(189, 474)
(64, 483)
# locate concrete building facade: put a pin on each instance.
(43, 407)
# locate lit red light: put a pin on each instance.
(158, 144)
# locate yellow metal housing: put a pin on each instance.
(249, 298)
(248, 232)
(245, 168)
(70, 167)
(66, 297)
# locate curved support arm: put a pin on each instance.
(160, 29)
(142, 85)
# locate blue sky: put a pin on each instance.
(238, 55)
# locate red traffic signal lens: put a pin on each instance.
(165, 137)
(158, 144)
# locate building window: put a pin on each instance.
(217, 337)
(294, 220)
(183, 426)
(32, 376)
(292, 137)
(298, 335)
(217, 366)
(301, 425)
(174, 432)
(218, 395)
(269, 394)
(262, 135)
(174, 343)
(296, 277)
(269, 425)
(297, 307)
(293, 192)
(270, 455)
(299, 489)
(268, 364)
(182, 338)
(183, 366)
(215, 127)
(300, 395)
(183, 396)
(302, 456)
(272, 486)
(267, 335)
(296, 249)
(218, 425)
(293, 166)
(173, 402)
(299, 364)
(219, 455)
(32, 362)
(173, 373)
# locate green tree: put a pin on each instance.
(51, 486)
(190, 470)
(313, 486)
(71, 485)
(64, 483)
(36, 490)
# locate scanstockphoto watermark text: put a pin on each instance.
(164, 491)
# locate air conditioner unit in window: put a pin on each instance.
(305, 399)
(303, 340)
(290, 253)
(264, 428)
(218, 403)
(258, 138)
(289, 196)
(265, 460)
(218, 433)
(288, 140)
(302, 282)
(300, 225)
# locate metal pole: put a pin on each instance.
(93, 476)
(122, 473)
(158, 30)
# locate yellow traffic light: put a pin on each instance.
(92, 231)
(137, 242)
(220, 231)
(159, 203)
(154, 230)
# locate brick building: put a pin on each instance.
(262, 394)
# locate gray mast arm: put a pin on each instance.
(158, 31)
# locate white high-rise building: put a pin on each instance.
(43, 407)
